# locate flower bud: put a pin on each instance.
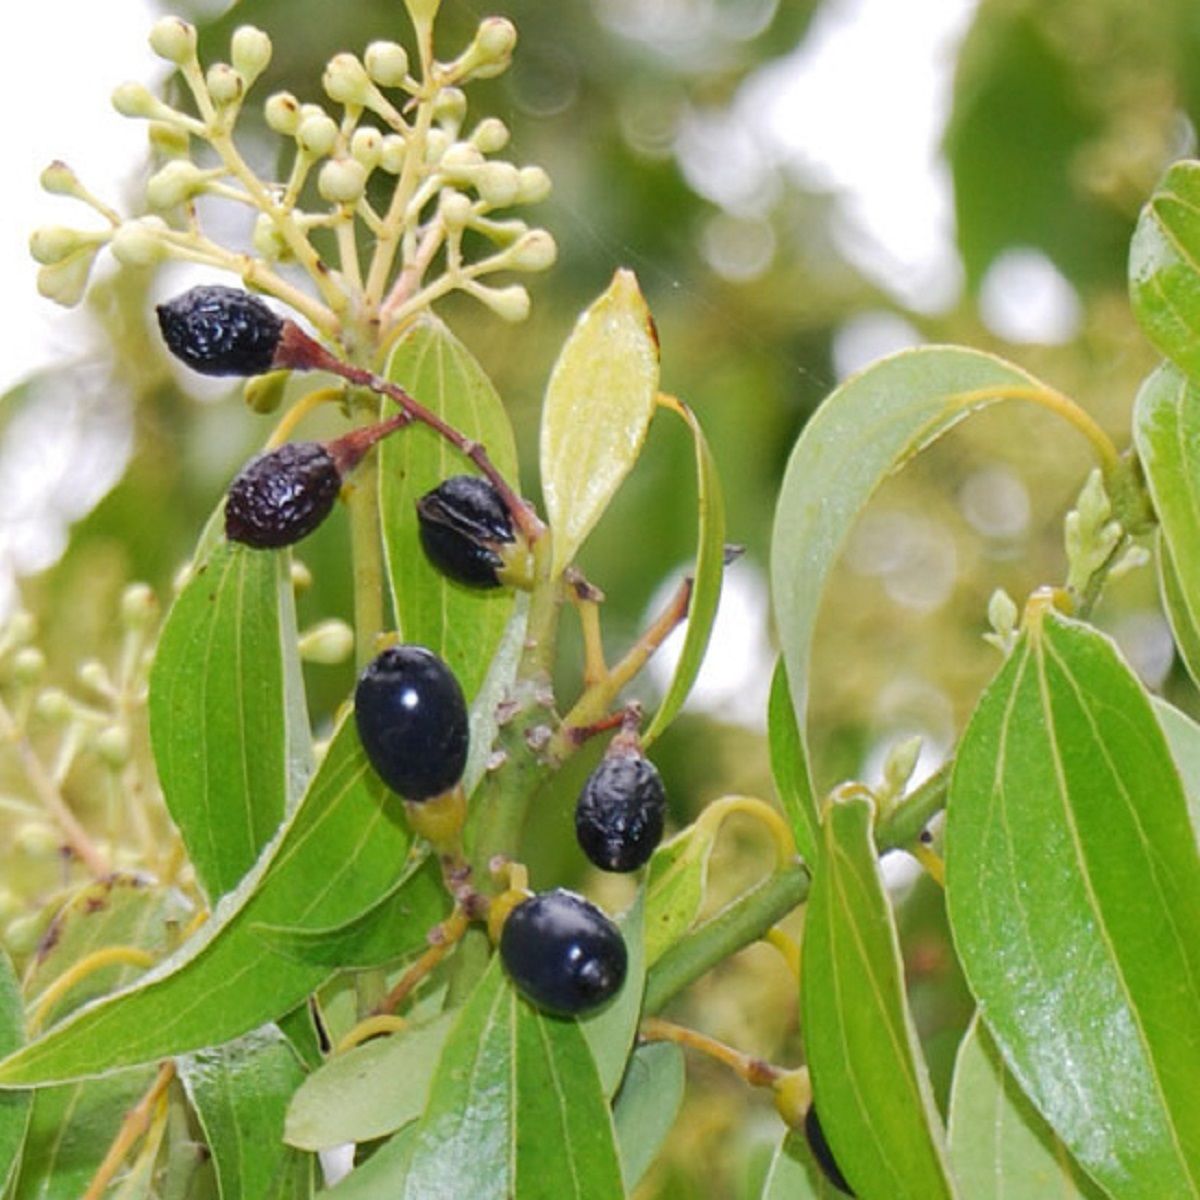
(139, 606)
(250, 52)
(112, 744)
(59, 180)
(536, 251)
(282, 113)
(462, 158)
(301, 576)
(456, 209)
(450, 106)
(264, 393)
(346, 81)
(386, 63)
(366, 147)
(268, 241)
(136, 100)
(498, 184)
(52, 243)
(534, 185)
(66, 281)
(174, 40)
(490, 135)
(168, 141)
(342, 181)
(54, 705)
(28, 665)
(437, 142)
(225, 85)
(93, 674)
(328, 643)
(175, 183)
(491, 51)
(139, 243)
(317, 135)
(509, 303)
(391, 153)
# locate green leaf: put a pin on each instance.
(646, 1107)
(706, 586)
(1183, 736)
(868, 1077)
(1164, 267)
(516, 1110)
(999, 1146)
(370, 1090)
(611, 1030)
(1073, 889)
(227, 716)
(461, 624)
(794, 1176)
(675, 884)
(14, 1106)
(335, 857)
(240, 1092)
(383, 1173)
(599, 402)
(865, 430)
(789, 766)
(1175, 604)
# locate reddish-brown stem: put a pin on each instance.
(348, 450)
(298, 352)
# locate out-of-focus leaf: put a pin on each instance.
(706, 586)
(1164, 267)
(599, 402)
(1073, 887)
(516, 1111)
(1183, 736)
(870, 426)
(461, 624)
(1175, 604)
(869, 1080)
(337, 854)
(227, 714)
(646, 1107)
(370, 1090)
(14, 1106)
(675, 883)
(1000, 1148)
(611, 1030)
(240, 1092)
(789, 766)
(793, 1174)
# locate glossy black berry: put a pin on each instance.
(280, 497)
(562, 953)
(220, 331)
(461, 522)
(821, 1152)
(619, 815)
(412, 722)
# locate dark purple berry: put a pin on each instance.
(562, 953)
(221, 331)
(462, 522)
(619, 815)
(280, 497)
(412, 722)
(821, 1152)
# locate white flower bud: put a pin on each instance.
(366, 147)
(94, 674)
(450, 106)
(139, 243)
(169, 141)
(37, 839)
(301, 576)
(175, 183)
(490, 136)
(268, 241)
(54, 705)
(113, 746)
(462, 156)
(901, 762)
(329, 642)
(28, 664)
(534, 185)
(437, 142)
(491, 51)
(1003, 613)
(264, 393)
(53, 243)
(22, 934)
(346, 81)
(536, 251)
(317, 135)
(510, 303)
(456, 209)
(342, 181)
(250, 51)
(282, 113)
(174, 40)
(59, 180)
(386, 63)
(20, 628)
(139, 606)
(134, 99)
(498, 184)
(391, 154)
(66, 281)
(225, 85)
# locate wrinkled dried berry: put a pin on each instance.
(412, 722)
(462, 523)
(220, 331)
(821, 1152)
(280, 497)
(562, 953)
(619, 815)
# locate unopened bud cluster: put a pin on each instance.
(394, 159)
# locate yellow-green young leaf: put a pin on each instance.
(461, 624)
(864, 431)
(1164, 267)
(646, 1107)
(706, 584)
(789, 766)
(869, 1079)
(794, 1175)
(1073, 890)
(1000, 1148)
(598, 406)
(675, 883)
(240, 1092)
(227, 714)
(516, 1110)
(334, 858)
(14, 1106)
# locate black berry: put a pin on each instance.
(619, 815)
(562, 953)
(280, 497)
(462, 522)
(821, 1152)
(412, 721)
(221, 331)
